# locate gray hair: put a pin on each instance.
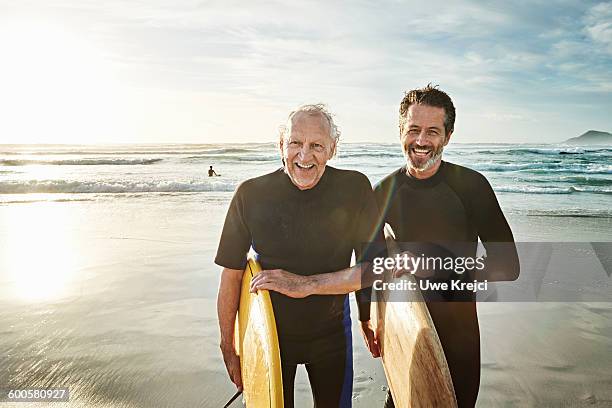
(312, 109)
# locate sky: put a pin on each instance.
(183, 71)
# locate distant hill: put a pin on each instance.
(591, 137)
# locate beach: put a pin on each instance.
(112, 292)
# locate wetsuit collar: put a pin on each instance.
(319, 186)
(430, 181)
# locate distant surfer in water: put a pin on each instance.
(307, 218)
(211, 172)
(429, 200)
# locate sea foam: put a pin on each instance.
(125, 186)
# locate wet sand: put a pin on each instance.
(116, 300)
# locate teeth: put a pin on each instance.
(418, 150)
(304, 166)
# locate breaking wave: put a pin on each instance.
(79, 162)
(62, 186)
(574, 213)
(543, 167)
(553, 190)
(546, 151)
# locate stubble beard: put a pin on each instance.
(428, 164)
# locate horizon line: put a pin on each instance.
(258, 143)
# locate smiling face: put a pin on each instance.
(306, 149)
(423, 139)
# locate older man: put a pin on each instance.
(306, 218)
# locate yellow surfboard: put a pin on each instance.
(258, 345)
(412, 355)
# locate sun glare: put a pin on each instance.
(55, 86)
(37, 256)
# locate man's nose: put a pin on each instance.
(304, 151)
(421, 137)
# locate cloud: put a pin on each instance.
(598, 25)
(358, 56)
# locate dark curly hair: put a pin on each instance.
(432, 96)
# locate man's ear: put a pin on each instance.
(448, 137)
(281, 143)
(333, 149)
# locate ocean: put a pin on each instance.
(550, 180)
(108, 286)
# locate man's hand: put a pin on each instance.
(287, 283)
(369, 335)
(232, 364)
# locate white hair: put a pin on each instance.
(312, 109)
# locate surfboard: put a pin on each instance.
(258, 345)
(412, 355)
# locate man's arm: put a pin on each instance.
(502, 262)
(228, 301)
(333, 283)
(298, 286)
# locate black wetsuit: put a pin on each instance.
(306, 232)
(454, 205)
